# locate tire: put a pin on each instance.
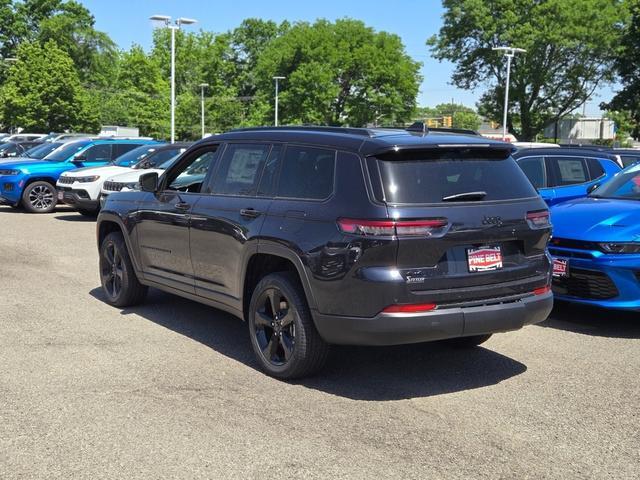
(87, 213)
(468, 342)
(120, 284)
(39, 197)
(287, 345)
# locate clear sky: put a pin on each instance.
(414, 20)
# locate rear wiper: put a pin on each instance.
(465, 196)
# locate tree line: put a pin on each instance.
(57, 72)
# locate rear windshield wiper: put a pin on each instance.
(465, 196)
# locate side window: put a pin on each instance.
(190, 176)
(569, 170)
(533, 168)
(98, 153)
(239, 170)
(268, 181)
(162, 156)
(307, 172)
(629, 159)
(595, 169)
(120, 148)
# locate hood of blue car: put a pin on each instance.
(25, 163)
(597, 219)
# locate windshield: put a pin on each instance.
(158, 159)
(625, 185)
(67, 151)
(168, 163)
(134, 156)
(450, 176)
(40, 151)
(8, 147)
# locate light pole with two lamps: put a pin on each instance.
(509, 52)
(173, 27)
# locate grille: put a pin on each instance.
(588, 284)
(68, 180)
(113, 186)
(566, 253)
(575, 244)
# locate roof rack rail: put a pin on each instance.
(421, 127)
(312, 128)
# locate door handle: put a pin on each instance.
(182, 206)
(250, 213)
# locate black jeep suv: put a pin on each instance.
(321, 235)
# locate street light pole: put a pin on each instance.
(509, 52)
(202, 87)
(277, 79)
(176, 26)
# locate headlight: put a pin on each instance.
(131, 186)
(87, 179)
(628, 247)
(10, 172)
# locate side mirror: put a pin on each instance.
(149, 182)
(79, 158)
(592, 188)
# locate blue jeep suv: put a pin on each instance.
(561, 174)
(31, 183)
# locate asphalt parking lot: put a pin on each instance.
(170, 389)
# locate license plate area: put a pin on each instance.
(560, 268)
(484, 259)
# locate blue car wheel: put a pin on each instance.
(39, 197)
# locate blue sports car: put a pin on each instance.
(596, 245)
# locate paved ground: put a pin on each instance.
(170, 389)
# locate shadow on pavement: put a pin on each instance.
(76, 217)
(593, 321)
(361, 373)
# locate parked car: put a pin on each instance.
(523, 145)
(628, 156)
(319, 236)
(596, 245)
(561, 174)
(15, 149)
(130, 179)
(81, 188)
(31, 182)
(24, 137)
(57, 137)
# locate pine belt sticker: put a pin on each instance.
(484, 259)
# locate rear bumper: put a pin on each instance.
(395, 329)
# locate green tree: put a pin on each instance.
(40, 98)
(462, 116)
(341, 73)
(626, 66)
(571, 46)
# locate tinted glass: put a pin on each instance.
(417, 177)
(625, 185)
(98, 153)
(628, 160)
(307, 173)
(190, 176)
(8, 148)
(595, 169)
(67, 151)
(122, 148)
(267, 187)
(158, 158)
(134, 156)
(533, 168)
(41, 151)
(240, 169)
(568, 170)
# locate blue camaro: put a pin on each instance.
(596, 245)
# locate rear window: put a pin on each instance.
(430, 177)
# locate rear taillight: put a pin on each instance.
(411, 308)
(429, 227)
(538, 219)
(542, 290)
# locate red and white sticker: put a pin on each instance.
(484, 259)
(560, 267)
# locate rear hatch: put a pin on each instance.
(469, 224)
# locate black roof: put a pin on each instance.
(367, 141)
(578, 152)
(167, 146)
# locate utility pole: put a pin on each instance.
(277, 90)
(202, 87)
